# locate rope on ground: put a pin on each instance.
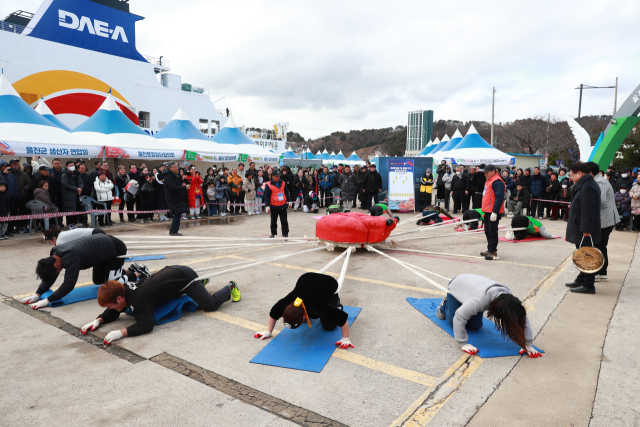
(211, 246)
(333, 261)
(462, 233)
(422, 276)
(432, 226)
(432, 253)
(343, 272)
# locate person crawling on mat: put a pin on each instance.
(379, 209)
(55, 236)
(98, 251)
(432, 213)
(144, 296)
(534, 228)
(318, 294)
(469, 295)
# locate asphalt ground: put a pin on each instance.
(404, 370)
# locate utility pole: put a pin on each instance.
(493, 103)
(583, 86)
(615, 99)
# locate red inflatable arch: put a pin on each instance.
(354, 227)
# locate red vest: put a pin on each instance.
(489, 197)
(278, 197)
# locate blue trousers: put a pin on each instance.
(451, 305)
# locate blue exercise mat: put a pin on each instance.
(303, 348)
(145, 258)
(171, 310)
(488, 339)
(82, 293)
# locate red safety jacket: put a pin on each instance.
(489, 197)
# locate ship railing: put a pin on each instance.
(12, 28)
(156, 61)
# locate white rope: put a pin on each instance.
(422, 229)
(215, 246)
(232, 270)
(432, 253)
(426, 271)
(333, 261)
(407, 220)
(343, 272)
(127, 236)
(459, 234)
(371, 248)
(236, 263)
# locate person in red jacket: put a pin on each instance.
(195, 193)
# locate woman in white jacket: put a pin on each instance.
(447, 178)
(104, 193)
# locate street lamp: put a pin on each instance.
(583, 86)
(304, 150)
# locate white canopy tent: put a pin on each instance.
(24, 132)
(110, 128)
(473, 150)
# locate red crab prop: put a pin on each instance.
(354, 227)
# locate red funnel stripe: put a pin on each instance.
(84, 104)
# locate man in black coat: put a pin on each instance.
(440, 171)
(373, 185)
(583, 226)
(460, 186)
(176, 192)
(97, 251)
(625, 180)
(70, 189)
(478, 182)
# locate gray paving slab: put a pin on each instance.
(617, 401)
(51, 378)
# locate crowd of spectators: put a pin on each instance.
(139, 188)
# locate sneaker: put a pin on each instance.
(492, 256)
(439, 313)
(510, 215)
(285, 236)
(205, 282)
(583, 290)
(3, 237)
(235, 292)
(485, 253)
(25, 229)
(540, 217)
(175, 234)
(272, 236)
(142, 221)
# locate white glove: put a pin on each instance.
(268, 209)
(493, 217)
(31, 299)
(112, 336)
(344, 343)
(40, 304)
(465, 227)
(509, 236)
(468, 348)
(90, 326)
(262, 335)
(532, 352)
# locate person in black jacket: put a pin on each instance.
(373, 185)
(519, 199)
(478, 187)
(440, 171)
(71, 188)
(460, 186)
(583, 226)
(319, 295)
(44, 175)
(537, 185)
(552, 190)
(625, 180)
(99, 251)
(4, 207)
(471, 189)
(348, 188)
(176, 192)
(144, 296)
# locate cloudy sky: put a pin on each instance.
(330, 65)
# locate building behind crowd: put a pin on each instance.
(419, 131)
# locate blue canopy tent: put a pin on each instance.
(473, 150)
(289, 154)
(444, 141)
(455, 140)
(340, 156)
(43, 109)
(429, 147)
